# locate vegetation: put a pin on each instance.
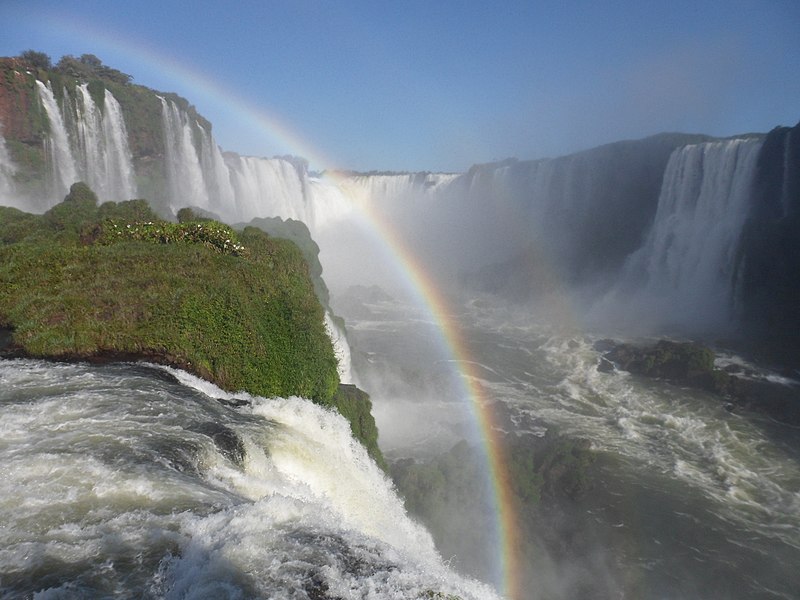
(38, 60)
(88, 67)
(297, 232)
(238, 311)
(356, 407)
(554, 468)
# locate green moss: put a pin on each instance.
(245, 322)
(98, 93)
(356, 407)
(298, 232)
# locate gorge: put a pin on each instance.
(620, 485)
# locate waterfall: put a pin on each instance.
(97, 152)
(121, 182)
(684, 271)
(187, 186)
(268, 188)
(130, 481)
(88, 122)
(61, 162)
(7, 171)
(105, 158)
(215, 172)
(341, 348)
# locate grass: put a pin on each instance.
(238, 310)
(114, 282)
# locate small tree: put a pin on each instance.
(38, 60)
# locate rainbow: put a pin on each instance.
(508, 568)
(286, 140)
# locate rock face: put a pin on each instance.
(18, 113)
(769, 259)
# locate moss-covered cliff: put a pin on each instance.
(88, 282)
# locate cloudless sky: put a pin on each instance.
(431, 85)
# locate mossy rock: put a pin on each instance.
(355, 405)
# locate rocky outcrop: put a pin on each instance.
(769, 255)
(691, 364)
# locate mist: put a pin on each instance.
(632, 239)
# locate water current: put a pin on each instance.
(132, 481)
(686, 499)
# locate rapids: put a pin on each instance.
(136, 481)
(685, 500)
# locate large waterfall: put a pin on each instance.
(187, 185)
(687, 263)
(657, 221)
(240, 188)
(87, 142)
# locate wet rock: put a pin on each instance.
(225, 439)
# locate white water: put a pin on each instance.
(687, 500)
(184, 173)
(215, 172)
(121, 177)
(61, 162)
(341, 349)
(105, 158)
(7, 170)
(683, 275)
(110, 487)
(97, 152)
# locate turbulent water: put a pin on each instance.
(686, 499)
(133, 481)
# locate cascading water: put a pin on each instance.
(61, 162)
(97, 152)
(104, 155)
(7, 170)
(215, 172)
(268, 187)
(341, 349)
(131, 481)
(683, 274)
(187, 186)
(119, 161)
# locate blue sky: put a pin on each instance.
(433, 85)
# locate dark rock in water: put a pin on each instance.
(605, 365)
(234, 402)
(668, 360)
(225, 439)
(692, 364)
